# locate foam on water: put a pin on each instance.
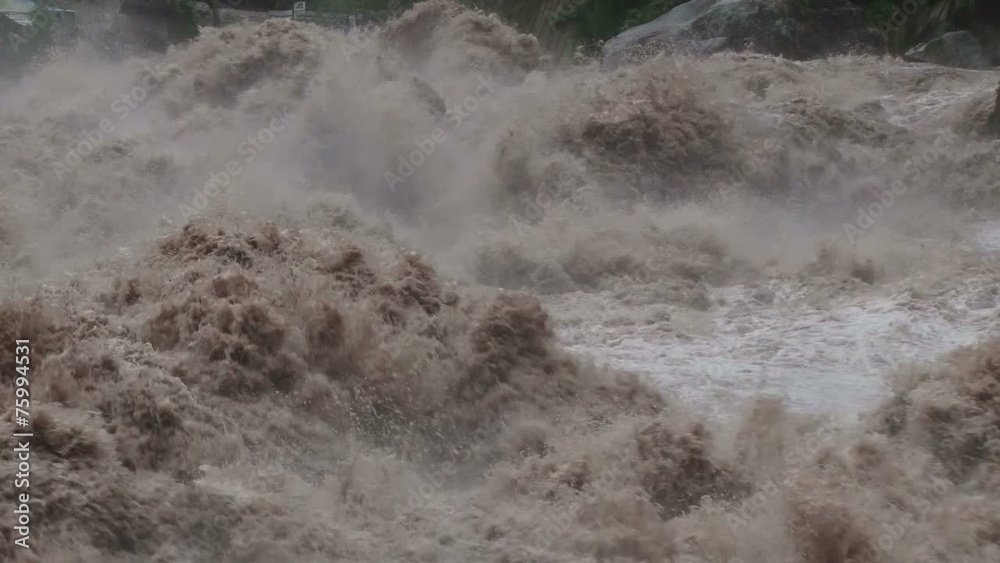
(822, 359)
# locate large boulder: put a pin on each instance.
(958, 49)
(788, 29)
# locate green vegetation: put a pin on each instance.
(592, 21)
(28, 28)
(904, 30)
(582, 22)
(160, 23)
(565, 25)
(588, 22)
(185, 25)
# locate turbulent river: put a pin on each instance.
(417, 293)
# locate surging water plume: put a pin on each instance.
(300, 295)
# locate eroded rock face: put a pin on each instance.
(958, 49)
(703, 27)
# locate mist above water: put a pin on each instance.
(296, 295)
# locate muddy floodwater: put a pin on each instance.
(418, 294)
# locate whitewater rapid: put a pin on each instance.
(830, 357)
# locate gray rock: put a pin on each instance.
(958, 49)
(702, 27)
(716, 21)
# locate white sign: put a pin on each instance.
(299, 6)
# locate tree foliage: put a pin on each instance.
(907, 23)
(589, 22)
